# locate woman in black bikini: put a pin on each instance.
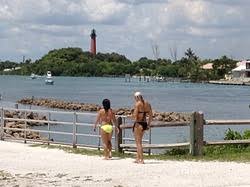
(141, 111)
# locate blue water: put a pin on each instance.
(216, 101)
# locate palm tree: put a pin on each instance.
(190, 54)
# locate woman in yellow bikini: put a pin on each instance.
(141, 111)
(106, 118)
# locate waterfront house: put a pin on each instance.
(242, 71)
(208, 66)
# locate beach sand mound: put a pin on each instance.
(23, 165)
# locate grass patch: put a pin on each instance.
(228, 153)
(211, 153)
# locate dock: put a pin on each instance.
(230, 82)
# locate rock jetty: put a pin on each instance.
(55, 103)
(21, 125)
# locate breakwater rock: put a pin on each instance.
(54, 103)
(21, 124)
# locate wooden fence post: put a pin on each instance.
(118, 136)
(196, 134)
(25, 127)
(74, 140)
(2, 124)
(49, 118)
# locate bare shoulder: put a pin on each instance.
(138, 104)
(101, 111)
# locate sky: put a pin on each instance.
(212, 28)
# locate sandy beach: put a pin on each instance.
(22, 165)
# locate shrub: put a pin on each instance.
(232, 135)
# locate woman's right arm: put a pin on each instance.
(150, 113)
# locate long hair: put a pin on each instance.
(106, 104)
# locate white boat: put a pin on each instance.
(33, 76)
(49, 79)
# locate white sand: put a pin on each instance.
(23, 165)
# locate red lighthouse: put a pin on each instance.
(93, 42)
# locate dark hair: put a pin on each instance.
(106, 104)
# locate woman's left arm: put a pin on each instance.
(97, 120)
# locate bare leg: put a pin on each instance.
(136, 142)
(138, 133)
(104, 136)
(110, 144)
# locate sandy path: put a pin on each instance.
(34, 166)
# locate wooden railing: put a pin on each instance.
(74, 124)
(196, 130)
(196, 142)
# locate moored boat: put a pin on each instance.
(49, 80)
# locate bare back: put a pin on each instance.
(142, 110)
(106, 117)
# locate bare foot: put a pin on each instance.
(106, 158)
(141, 162)
(110, 154)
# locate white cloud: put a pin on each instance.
(211, 27)
(138, 2)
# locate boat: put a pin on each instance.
(49, 80)
(33, 76)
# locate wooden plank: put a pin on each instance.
(226, 142)
(156, 146)
(118, 136)
(159, 124)
(228, 122)
(225, 82)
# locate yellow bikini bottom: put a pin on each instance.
(107, 128)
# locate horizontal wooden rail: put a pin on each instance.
(52, 122)
(40, 121)
(157, 146)
(226, 142)
(89, 135)
(85, 124)
(159, 124)
(132, 139)
(227, 122)
(34, 130)
(51, 111)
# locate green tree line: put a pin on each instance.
(75, 62)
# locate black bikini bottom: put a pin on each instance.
(142, 123)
